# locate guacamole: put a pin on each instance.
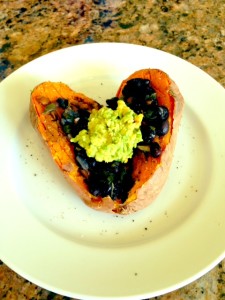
(111, 134)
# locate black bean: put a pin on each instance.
(112, 103)
(99, 185)
(148, 133)
(156, 114)
(85, 162)
(163, 113)
(155, 150)
(63, 103)
(98, 188)
(162, 128)
(82, 162)
(137, 105)
(83, 113)
(120, 190)
(81, 124)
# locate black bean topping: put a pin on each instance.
(137, 87)
(99, 186)
(138, 94)
(148, 133)
(105, 179)
(155, 150)
(74, 121)
(63, 103)
(115, 179)
(83, 114)
(137, 105)
(81, 122)
(162, 128)
(85, 162)
(82, 162)
(112, 103)
(156, 113)
(163, 113)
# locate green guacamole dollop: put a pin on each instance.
(112, 134)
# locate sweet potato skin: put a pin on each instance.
(149, 176)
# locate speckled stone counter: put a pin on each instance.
(193, 30)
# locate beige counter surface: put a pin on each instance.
(192, 30)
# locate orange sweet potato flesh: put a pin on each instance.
(149, 173)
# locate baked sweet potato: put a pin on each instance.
(51, 107)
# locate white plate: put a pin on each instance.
(51, 238)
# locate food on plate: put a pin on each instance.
(111, 134)
(117, 157)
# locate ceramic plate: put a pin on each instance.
(51, 238)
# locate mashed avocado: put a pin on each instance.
(111, 134)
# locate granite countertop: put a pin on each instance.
(193, 30)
